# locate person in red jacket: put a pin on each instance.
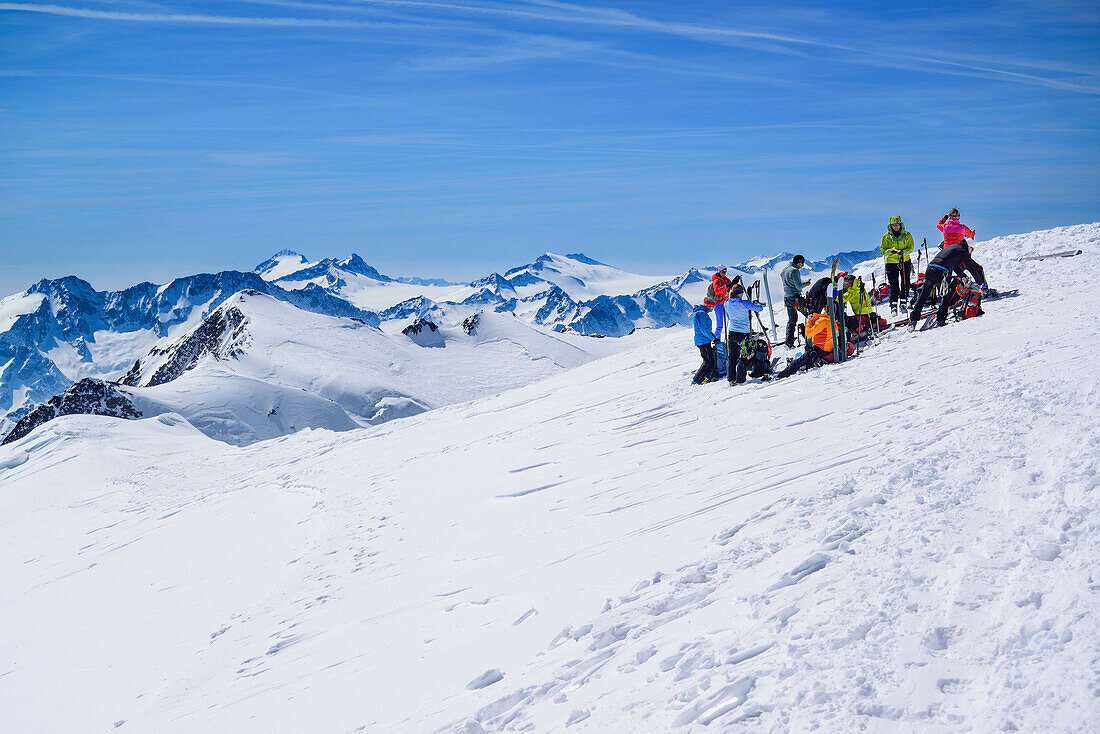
(717, 295)
(953, 230)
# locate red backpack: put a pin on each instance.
(970, 300)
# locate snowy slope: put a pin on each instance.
(257, 368)
(907, 542)
(581, 277)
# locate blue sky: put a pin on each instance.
(148, 140)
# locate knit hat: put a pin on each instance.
(720, 268)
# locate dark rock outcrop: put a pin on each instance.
(425, 333)
(87, 397)
(220, 334)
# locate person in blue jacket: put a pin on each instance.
(704, 339)
(737, 313)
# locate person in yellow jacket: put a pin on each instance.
(896, 246)
(856, 296)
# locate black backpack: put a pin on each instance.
(758, 352)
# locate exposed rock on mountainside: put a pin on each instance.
(221, 335)
(425, 333)
(89, 397)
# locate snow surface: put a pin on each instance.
(907, 542)
(14, 306)
(281, 264)
(296, 369)
(584, 279)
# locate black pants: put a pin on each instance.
(736, 364)
(709, 368)
(894, 273)
(932, 278)
(808, 358)
(791, 302)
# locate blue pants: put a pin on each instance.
(719, 320)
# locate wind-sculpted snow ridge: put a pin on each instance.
(905, 542)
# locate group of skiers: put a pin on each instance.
(727, 299)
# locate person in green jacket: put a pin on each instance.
(855, 295)
(896, 246)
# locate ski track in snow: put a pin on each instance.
(907, 542)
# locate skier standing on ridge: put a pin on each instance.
(737, 309)
(953, 230)
(704, 340)
(896, 246)
(792, 294)
(949, 261)
(717, 294)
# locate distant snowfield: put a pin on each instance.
(292, 370)
(908, 542)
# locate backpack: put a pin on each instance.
(970, 298)
(720, 361)
(757, 351)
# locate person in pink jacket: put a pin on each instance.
(953, 230)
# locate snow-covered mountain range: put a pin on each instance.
(59, 332)
(258, 367)
(906, 542)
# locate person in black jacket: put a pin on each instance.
(818, 295)
(950, 261)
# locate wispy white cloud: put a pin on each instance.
(549, 10)
(247, 20)
(1075, 79)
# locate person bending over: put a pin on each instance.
(950, 260)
